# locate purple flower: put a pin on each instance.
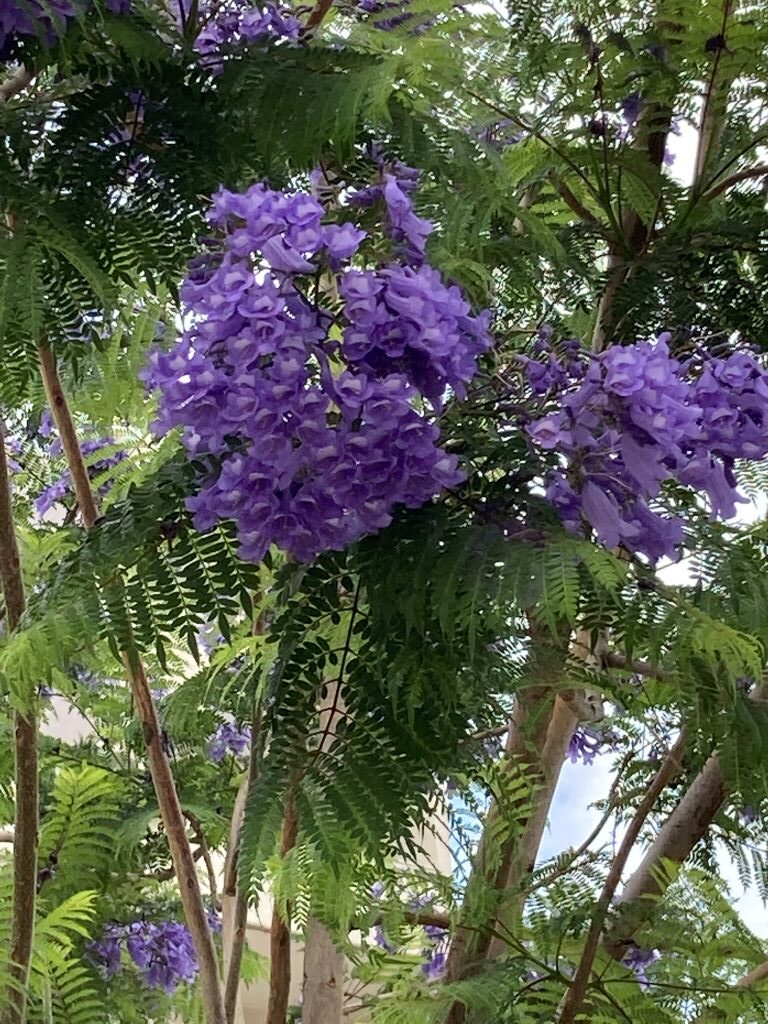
(637, 960)
(549, 431)
(583, 746)
(381, 940)
(229, 738)
(748, 814)
(62, 487)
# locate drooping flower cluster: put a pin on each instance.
(306, 383)
(61, 487)
(632, 418)
(234, 24)
(229, 738)
(163, 952)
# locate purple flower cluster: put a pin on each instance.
(637, 960)
(234, 24)
(633, 417)
(583, 746)
(301, 379)
(45, 19)
(434, 952)
(42, 18)
(392, 189)
(229, 738)
(163, 953)
(375, 7)
(61, 487)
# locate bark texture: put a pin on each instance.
(25, 832)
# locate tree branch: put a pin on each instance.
(713, 107)
(637, 666)
(205, 853)
(578, 987)
(317, 15)
(280, 935)
(497, 859)
(25, 771)
(573, 201)
(760, 171)
(236, 896)
(15, 83)
(162, 777)
(323, 977)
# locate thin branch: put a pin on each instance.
(710, 123)
(580, 850)
(68, 436)
(760, 171)
(574, 202)
(637, 666)
(280, 935)
(233, 890)
(25, 772)
(162, 777)
(205, 853)
(578, 988)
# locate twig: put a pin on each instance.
(205, 853)
(162, 777)
(578, 988)
(280, 935)
(25, 772)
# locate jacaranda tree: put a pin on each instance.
(384, 421)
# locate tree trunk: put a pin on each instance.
(323, 977)
(25, 772)
(280, 936)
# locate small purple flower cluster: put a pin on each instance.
(637, 960)
(61, 487)
(375, 7)
(229, 738)
(163, 953)
(632, 417)
(301, 379)
(434, 952)
(234, 24)
(583, 746)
